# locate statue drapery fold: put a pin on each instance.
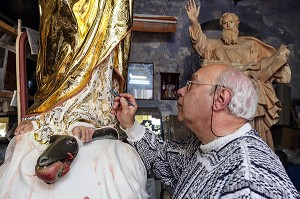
(76, 37)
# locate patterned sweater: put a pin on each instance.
(239, 165)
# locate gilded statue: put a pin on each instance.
(263, 63)
(83, 45)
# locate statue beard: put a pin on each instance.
(230, 36)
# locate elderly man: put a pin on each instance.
(259, 61)
(226, 158)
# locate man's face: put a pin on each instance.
(230, 30)
(194, 104)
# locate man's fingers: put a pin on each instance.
(116, 105)
(129, 99)
(124, 104)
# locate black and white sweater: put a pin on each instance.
(239, 165)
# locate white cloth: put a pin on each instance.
(102, 169)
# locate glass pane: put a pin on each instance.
(140, 80)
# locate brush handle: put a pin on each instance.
(118, 95)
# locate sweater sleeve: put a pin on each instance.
(163, 159)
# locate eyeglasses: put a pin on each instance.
(190, 83)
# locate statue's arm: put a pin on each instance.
(199, 40)
(275, 68)
(283, 75)
(201, 44)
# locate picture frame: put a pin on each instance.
(169, 86)
(140, 80)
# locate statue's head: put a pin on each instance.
(230, 17)
(230, 23)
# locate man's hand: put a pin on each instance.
(83, 133)
(192, 11)
(125, 112)
(24, 127)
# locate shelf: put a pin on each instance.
(8, 113)
(8, 29)
(154, 23)
(6, 94)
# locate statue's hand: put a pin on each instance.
(83, 133)
(192, 11)
(283, 49)
(24, 127)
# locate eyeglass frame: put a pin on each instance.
(189, 83)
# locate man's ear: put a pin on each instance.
(222, 99)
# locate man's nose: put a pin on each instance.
(181, 91)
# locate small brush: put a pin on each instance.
(118, 95)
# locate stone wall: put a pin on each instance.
(274, 22)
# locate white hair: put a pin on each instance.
(244, 100)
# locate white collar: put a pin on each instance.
(219, 142)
